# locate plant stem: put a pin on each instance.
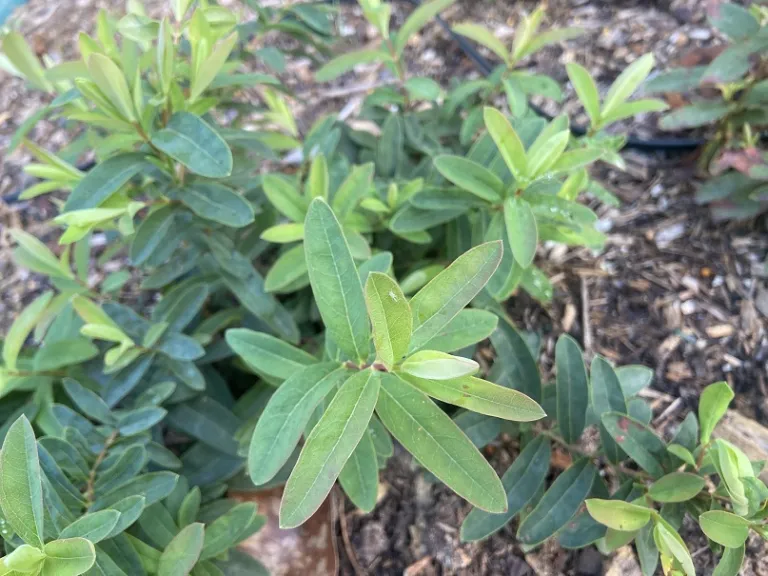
(89, 489)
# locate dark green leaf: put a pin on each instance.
(218, 203)
(195, 144)
(105, 179)
(572, 389)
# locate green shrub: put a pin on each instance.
(729, 95)
(146, 415)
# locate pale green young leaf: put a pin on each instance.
(268, 354)
(346, 62)
(390, 316)
(437, 303)
(627, 82)
(586, 90)
(35, 255)
(544, 153)
(550, 37)
(417, 20)
(22, 327)
(24, 60)
(191, 141)
(434, 365)
(25, 559)
(284, 196)
(471, 176)
(480, 396)
(360, 476)
(508, 142)
(289, 272)
(182, 553)
(165, 55)
(284, 233)
(317, 181)
(335, 281)
(438, 444)
(619, 515)
(630, 109)
(328, 447)
(484, 36)
(726, 529)
(285, 417)
(713, 404)
(672, 546)
(21, 489)
(68, 557)
(211, 66)
(354, 187)
(522, 230)
(180, 8)
(111, 81)
(525, 31)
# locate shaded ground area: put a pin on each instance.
(672, 290)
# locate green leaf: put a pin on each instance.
(438, 444)
(354, 187)
(637, 440)
(68, 557)
(437, 303)
(286, 416)
(181, 555)
(627, 82)
(713, 405)
(724, 528)
(559, 504)
(64, 353)
(88, 401)
(518, 366)
(630, 109)
(390, 316)
(433, 365)
(21, 490)
(94, 527)
(105, 179)
(546, 150)
(521, 482)
(33, 254)
(212, 65)
(140, 420)
(328, 447)
(289, 271)
(24, 60)
(484, 36)
(422, 89)
(633, 378)
(735, 21)
(344, 63)
(25, 559)
(508, 142)
(586, 90)
(671, 545)
(130, 509)
(676, 487)
(111, 81)
(317, 181)
(572, 389)
(619, 515)
(22, 327)
(224, 532)
(215, 202)
(683, 453)
(284, 196)
(467, 328)
(480, 396)
(189, 507)
(335, 281)
(417, 20)
(284, 233)
(360, 476)
(188, 139)
(267, 354)
(521, 230)
(730, 563)
(699, 114)
(607, 396)
(471, 176)
(153, 486)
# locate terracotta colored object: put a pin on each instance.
(309, 550)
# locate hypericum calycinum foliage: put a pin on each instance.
(710, 480)
(385, 354)
(730, 94)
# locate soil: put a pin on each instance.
(673, 289)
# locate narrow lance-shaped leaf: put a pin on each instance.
(484, 36)
(450, 291)
(268, 354)
(508, 142)
(521, 229)
(390, 316)
(285, 417)
(341, 64)
(637, 441)
(586, 90)
(607, 396)
(627, 82)
(713, 404)
(328, 447)
(22, 327)
(471, 176)
(360, 476)
(521, 482)
(572, 389)
(418, 18)
(438, 444)
(182, 553)
(335, 281)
